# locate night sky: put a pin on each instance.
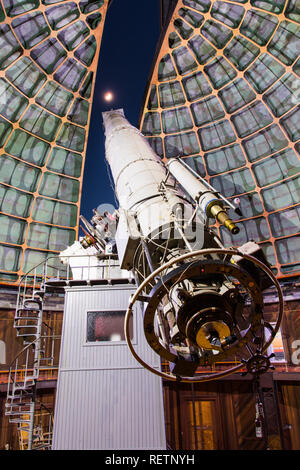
(129, 41)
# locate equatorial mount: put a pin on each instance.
(205, 306)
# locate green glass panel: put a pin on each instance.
(7, 166)
(291, 124)
(201, 48)
(292, 10)
(71, 137)
(284, 95)
(174, 40)
(79, 112)
(216, 135)
(61, 15)
(2, 14)
(171, 94)
(57, 213)
(288, 250)
(65, 214)
(181, 144)
(251, 119)
(50, 185)
(12, 229)
(216, 33)
(33, 258)
(47, 237)
(86, 52)
(236, 95)
(291, 268)
(220, 72)
(269, 252)
(258, 26)
(49, 55)
(14, 8)
(236, 182)
(12, 103)
(296, 67)
(207, 111)
(31, 29)
(196, 163)
(5, 130)
(70, 74)
(230, 15)
(265, 143)
(8, 277)
(18, 174)
(285, 43)
(264, 72)
(157, 145)
(183, 29)
(87, 6)
(86, 89)
(166, 69)
(28, 148)
(73, 35)
(153, 100)
(250, 205)
(282, 195)
(191, 17)
(39, 122)
(26, 76)
(15, 202)
(227, 158)
(286, 222)
(151, 124)
(176, 120)
(54, 98)
(253, 229)
(200, 5)
(241, 52)
(277, 167)
(9, 257)
(59, 187)
(184, 61)
(10, 49)
(196, 86)
(274, 6)
(94, 20)
(65, 162)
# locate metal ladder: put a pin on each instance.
(21, 404)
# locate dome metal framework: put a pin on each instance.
(224, 95)
(48, 59)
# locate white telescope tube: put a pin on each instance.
(138, 173)
(204, 197)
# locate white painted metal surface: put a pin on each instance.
(137, 172)
(105, 399)
(85, 265)
(197, 190)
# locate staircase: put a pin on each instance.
(22, 405)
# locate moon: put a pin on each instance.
(108, 96)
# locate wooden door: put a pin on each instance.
(200, 424)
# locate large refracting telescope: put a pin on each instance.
(203, 303)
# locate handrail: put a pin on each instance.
(99, 256)
(28, 346)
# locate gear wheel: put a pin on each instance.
(258, 364)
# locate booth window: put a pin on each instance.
(107, 326)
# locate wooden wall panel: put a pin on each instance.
(232, 405)
(289, 402)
